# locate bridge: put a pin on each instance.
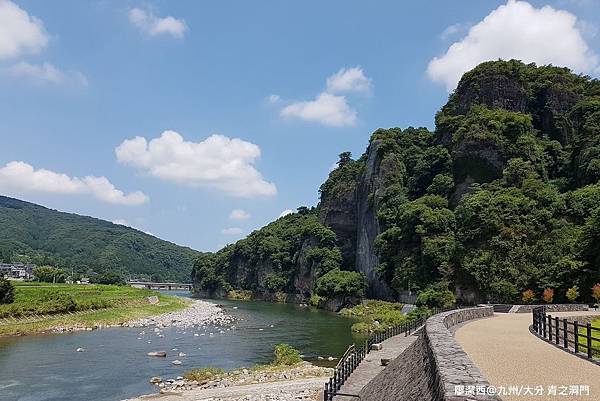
(160, 286)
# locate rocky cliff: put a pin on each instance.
(492, 203)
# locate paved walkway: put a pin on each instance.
(371, 365)
(508, 354)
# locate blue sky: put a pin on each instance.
(257, 99)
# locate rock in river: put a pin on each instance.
(161, 354)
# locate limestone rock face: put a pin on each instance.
(368, 225)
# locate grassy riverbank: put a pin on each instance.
(40, 307)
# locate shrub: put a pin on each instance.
(286, 355)
(548, 295)
(596, 292)
(203, 375)
(56, 302)
(315, 300)
(341, 283)
(436, 296)
(274, 282)
(503, 291)
(7, 291)
(49, 274)
(109, 277)
(361, 327)
(572, 293)
(528, 296)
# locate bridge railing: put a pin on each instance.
(355, 355)
(582, 339)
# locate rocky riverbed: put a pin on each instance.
(302, 381)
(198, 313)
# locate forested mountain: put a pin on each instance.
(502, 197)
(44, 236)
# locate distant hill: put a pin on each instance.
(86, 244)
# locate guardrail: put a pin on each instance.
(571, 335)
(355, 355)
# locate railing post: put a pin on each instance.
(544, 326)
(565, 334)
(588, 327)
(556, 327)
(576, 333)
(549, 328)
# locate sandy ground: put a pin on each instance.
(508, 354)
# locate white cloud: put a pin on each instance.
(217, 162)
(239, 214)
(44, 73)
(121, 222)
(152, 25)
(327, 109)
(20, 177)
(286, 212)
(454, 30)
(348, 80)
(273, 98)
(20, 33)
(232, 231)
(517, 30)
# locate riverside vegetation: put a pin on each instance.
(503, 197)
(41, 307)
(287, 365)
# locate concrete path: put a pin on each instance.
(301, 389)
(509, 355)
(371, 365)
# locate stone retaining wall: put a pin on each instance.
(430, 368)
(406, 378)
(551, 308)
(453, 365)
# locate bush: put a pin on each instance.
(548, 295)
(436, 296)
(528, 296)
(109, 277)
(361, 327)
(503, 291)
(341, 283)
(572, 293)
(49, 274)
(56, 302)
(203, 375)
(274, 282)
(596, 292)
(315, 300)
(7, 291)
(286, 355)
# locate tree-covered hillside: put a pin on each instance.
(502, 198)
(33, 233)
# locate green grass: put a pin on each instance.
(375, 316)
(583, 340)
(73, 305)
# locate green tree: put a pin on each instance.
(341, 283)
(7, 291)
(49, 274)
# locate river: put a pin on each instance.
(115, 366)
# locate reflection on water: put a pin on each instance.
(115, 365)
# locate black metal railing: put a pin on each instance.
(355, 355)
(573, 336)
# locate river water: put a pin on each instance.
(115, 366)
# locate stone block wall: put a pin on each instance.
(429, 369)
(453, 365)
(551, 308)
